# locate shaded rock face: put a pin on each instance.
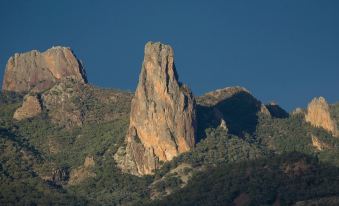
(214, 97)
(318, 115)
(237, 107)
(162, 119)
(276, 111)
(234, 105)
(35, 71)
(31, 107)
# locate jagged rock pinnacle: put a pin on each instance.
(162, 119)
(318, 115)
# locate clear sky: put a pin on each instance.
(287, 50)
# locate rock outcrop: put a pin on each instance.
(214, 97)
(318, 115)
(318, 144)
(36, 72)
(162, 119)
(31, 107)
(298, 111)
(234, 105)
(83, 172)
(276, 111)
(70, 104)
(62, 103)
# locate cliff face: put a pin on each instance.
(35, 71)
(162, 119)
(318, 115)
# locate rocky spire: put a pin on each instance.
(318, 115)
(162, 119)
(35, 71)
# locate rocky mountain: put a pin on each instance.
(162, 120)
(37, 71)
(66, 142)
(235, 107)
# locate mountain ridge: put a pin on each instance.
(67, 149)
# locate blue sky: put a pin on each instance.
(286, 51)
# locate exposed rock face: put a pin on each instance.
(162, 119)
(298, 111)
(83, 172)
(62, 104)
(318, 144)
(318, 115)
(223, 125)
(71, 104)
(35, 71)
(31, 107)
(264, 110)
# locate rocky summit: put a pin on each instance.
(162, 118)
(318, 115)
(36, 71)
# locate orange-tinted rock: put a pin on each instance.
(162, 119)
(35, 71)
(318, 115)
(83, 172)
(31, 107)
(318, 144)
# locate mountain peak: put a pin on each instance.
(37, 71)
(162, 119)
(318, 115)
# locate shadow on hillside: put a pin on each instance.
(239, 112)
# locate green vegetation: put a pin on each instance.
(286, 179)
(293, 134)
(34, 149)
(271, 159)
(335, 112)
